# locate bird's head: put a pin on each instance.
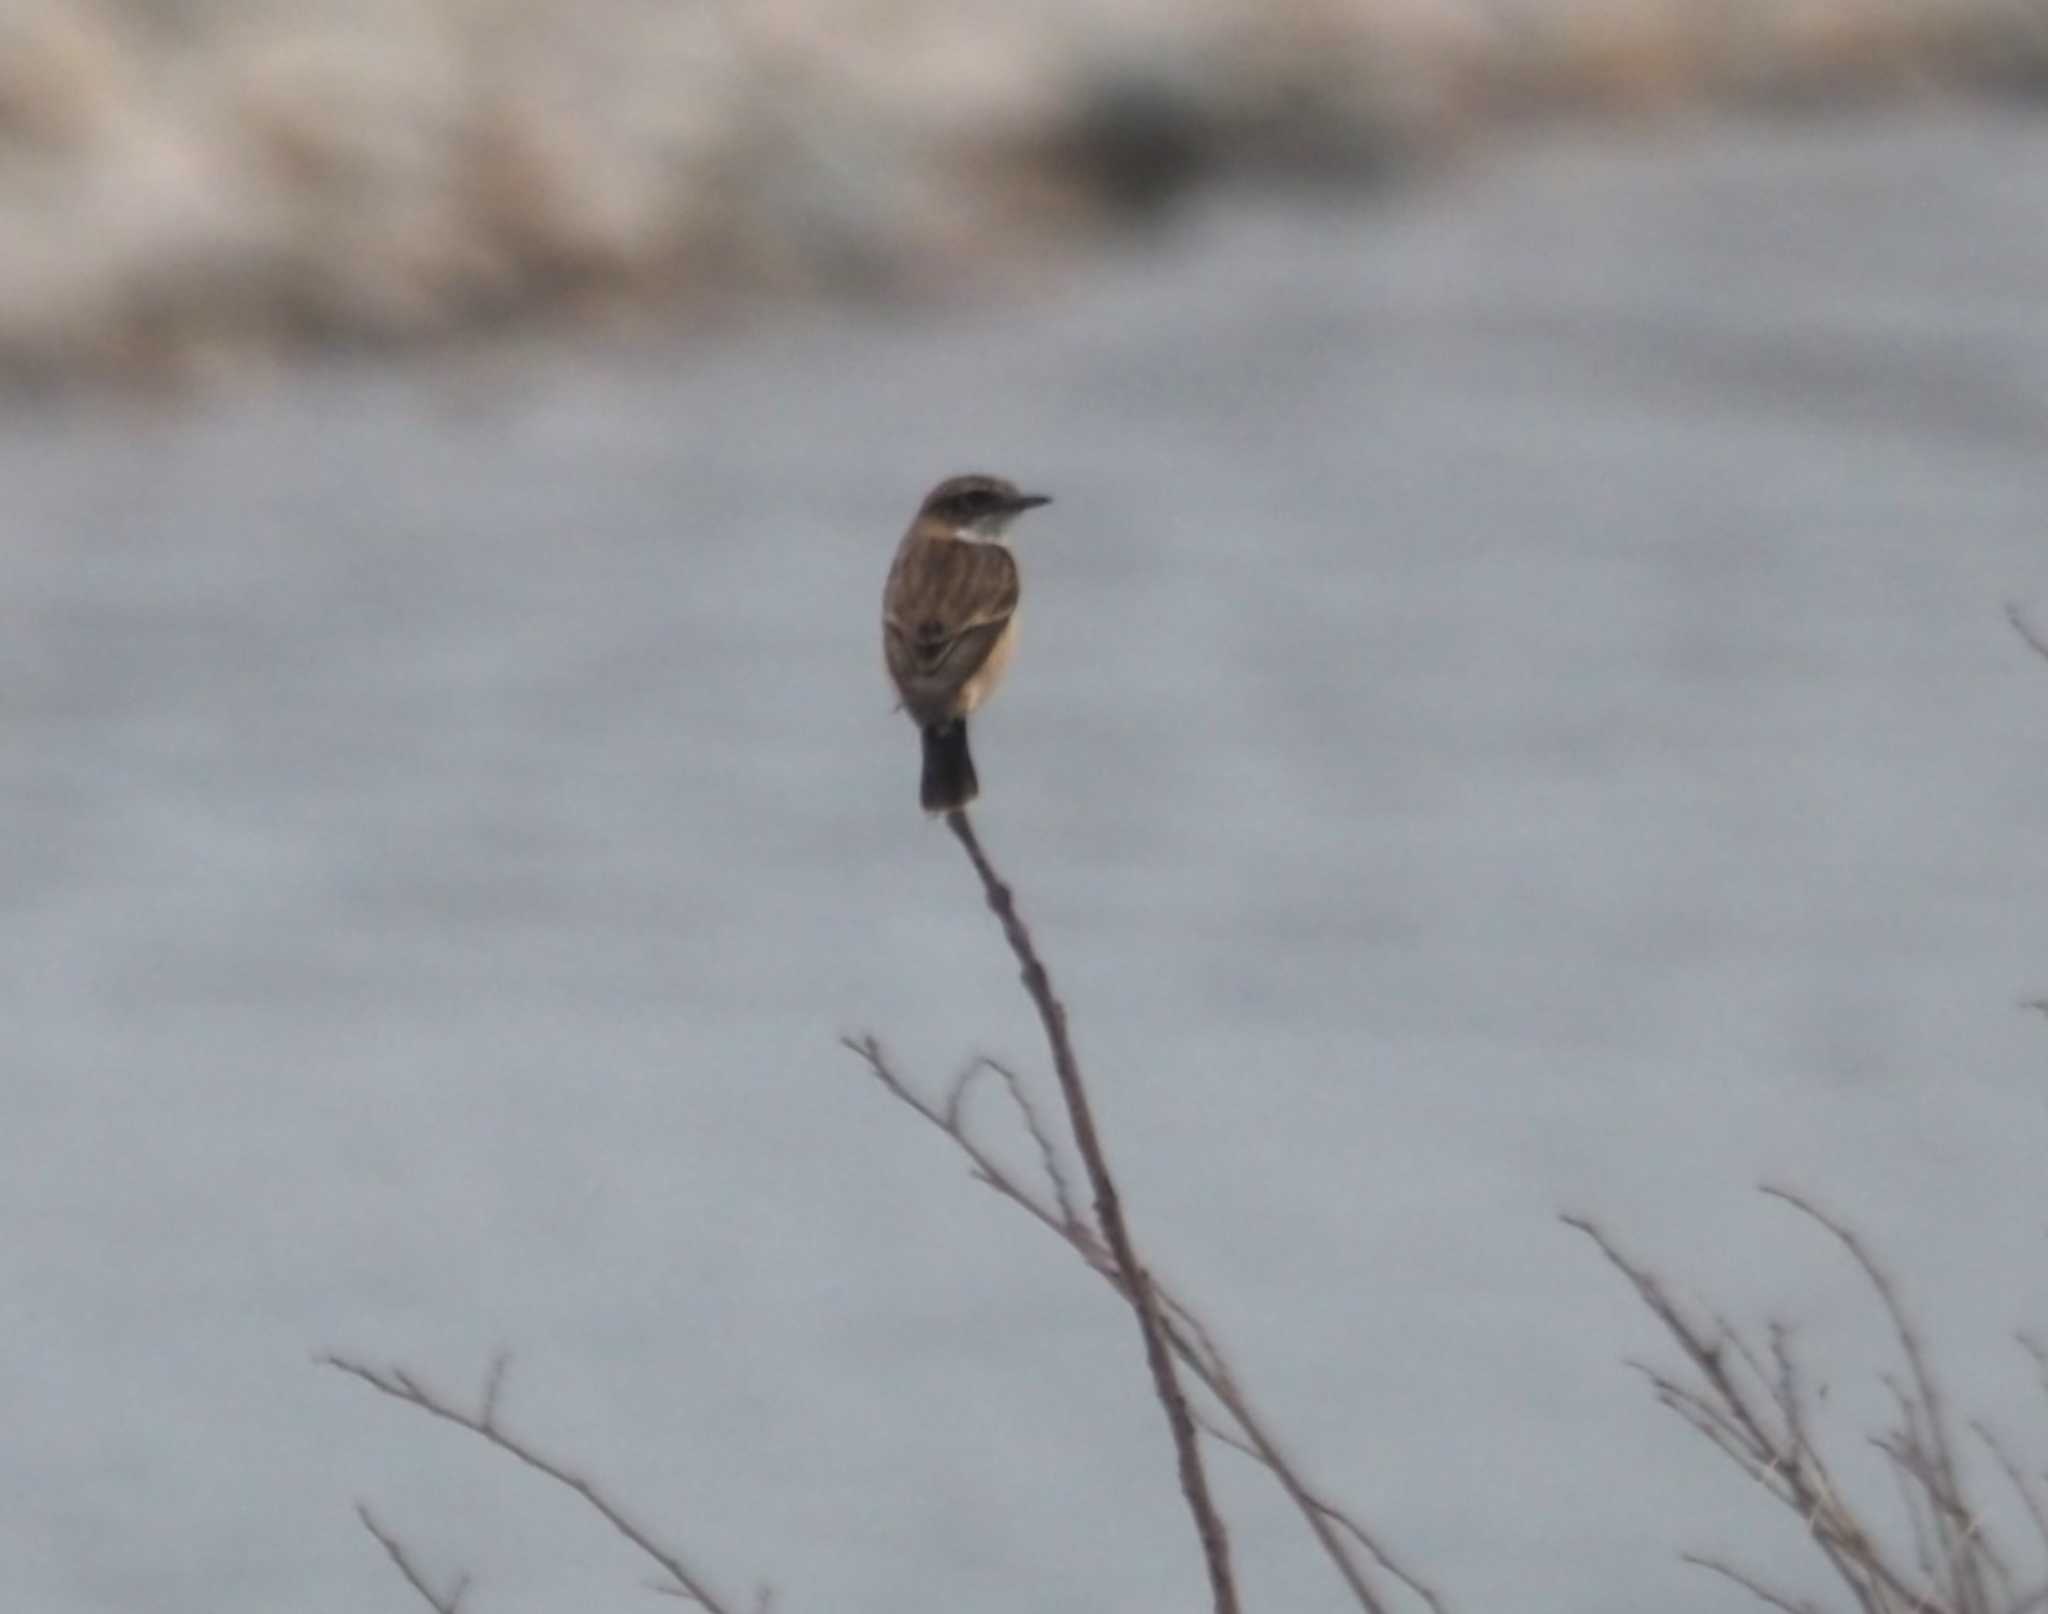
(975, 506)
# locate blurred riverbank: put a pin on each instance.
(185, 182)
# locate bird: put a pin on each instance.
(949, 621)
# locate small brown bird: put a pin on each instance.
(949, 621)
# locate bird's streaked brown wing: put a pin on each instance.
(947, 604)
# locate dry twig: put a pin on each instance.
(402, 1385)
(1172, 1333)
(1749, 1583)
(2025, 629)
(448, 1602)
(1754, 1405)
(1109, 1215)
(1238, 1425)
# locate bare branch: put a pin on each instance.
(2037, 1353)
(988, 1171)
(2016, 1477)
(1027, 1112)
(1052, 1014)
(494, 1387)
(1324, 1515)
(1757, 1408)
(1932, 1447)
(1189, 1337)
(448, 1602)
(1755, 1588)
(1739, 1408)
(2020, 625)
(401, 1385)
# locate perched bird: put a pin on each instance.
(949, 620)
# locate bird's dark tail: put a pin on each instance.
(949, 780)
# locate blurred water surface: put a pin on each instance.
(1514, 714)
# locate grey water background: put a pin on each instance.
(1514, 715)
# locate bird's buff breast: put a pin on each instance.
(990, 673)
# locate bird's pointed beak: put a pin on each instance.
(1029, 501)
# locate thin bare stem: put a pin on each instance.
(2016, 1477)
(1756, 1406)
(1740, 1407)
(1749, 1583)
(2037, 1353)
(1329, 1523)
(1109, 1215)
(402, 1385)
(448, 1602)
(1328, 1519)
(1929, 1448)
(1336, 1531)
(2025, 629)
(1027, 1112)
(990, 1172)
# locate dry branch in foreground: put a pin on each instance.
(1750, 1396)
(1174, 1336)
(2026, 630)
(1350, 1545)
(682, 1580)
(448, 1602)
(1109, 1216)
(1172, 1332)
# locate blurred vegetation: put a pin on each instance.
(187, 179)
